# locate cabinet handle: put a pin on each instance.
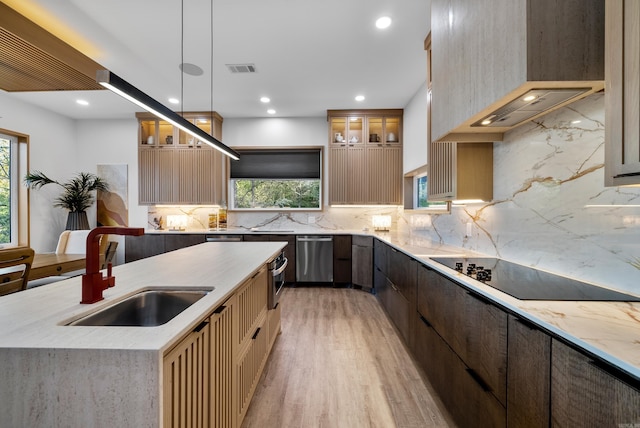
(424, 320)
(255, 334)
(395, 288)
(200, 326)
(219, 309)
(475, 376)
(527, 323)
(480, 298)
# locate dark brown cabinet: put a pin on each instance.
(475, 330)
(148, 245)
(528, 375)
(289, 250)
(589, 392)
(395, 288)
(362, 262)
(467, 398)
(342, 259)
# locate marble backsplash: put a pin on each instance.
(330, 219)
(550, 208)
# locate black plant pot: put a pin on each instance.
(77, 221)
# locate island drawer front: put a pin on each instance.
(185, 372)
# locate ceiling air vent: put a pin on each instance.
(241, 68)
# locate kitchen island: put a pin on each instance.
(59, 375)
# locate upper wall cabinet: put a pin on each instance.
(622, 94)
(365, 156)
(500, 63)
(174, 168)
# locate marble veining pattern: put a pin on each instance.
(550, 208)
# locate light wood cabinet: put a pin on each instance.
(210, 376)
(456, 170)
(251, 338)
(175, 168)
(622, 93)
(198, 375)
(362, 262)
(365, 156)
(488, 54)
(587, 392)
(460, 171)
(186, 380)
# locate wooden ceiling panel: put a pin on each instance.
(32, 59)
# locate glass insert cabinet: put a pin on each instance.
(176, 168)
(365, 156)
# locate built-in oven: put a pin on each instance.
(276, 279)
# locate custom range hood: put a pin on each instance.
(496, 68)
(531, 104)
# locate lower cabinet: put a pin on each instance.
(342, 259)
(474, 331)
(289, 250)
(528, 375)
(186, 380)
(587, 392)
(396, 291)
(251, 338)
(150, 244)
(362, 262)
(210, 376)
(467, 398)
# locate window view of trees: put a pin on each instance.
(5, 191)
(276, 194)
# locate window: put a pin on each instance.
(13, 196)
(276, 179)
(421, 201)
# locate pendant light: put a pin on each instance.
(121, 87)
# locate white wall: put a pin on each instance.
(415, 131)
(52, 150)
(283, 132)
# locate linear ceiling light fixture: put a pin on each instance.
(116, 84)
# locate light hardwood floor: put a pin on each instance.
(339, 362)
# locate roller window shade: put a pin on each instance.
(279, 164)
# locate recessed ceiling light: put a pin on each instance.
(359, 97)
(174, 101)
(529, 98)
(271, 111)
(82, 102)
(383, 22)
(265, 99)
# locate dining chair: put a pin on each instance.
(15, 264)
(70, 242)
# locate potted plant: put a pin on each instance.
(76, 197)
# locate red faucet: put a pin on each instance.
(93, 283)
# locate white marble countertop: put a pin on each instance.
(37, 318)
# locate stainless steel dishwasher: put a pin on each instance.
(314, 258)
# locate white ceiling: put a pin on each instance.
(310, 56)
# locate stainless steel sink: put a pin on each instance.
(148, 308)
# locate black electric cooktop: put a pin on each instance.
(527, 283)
